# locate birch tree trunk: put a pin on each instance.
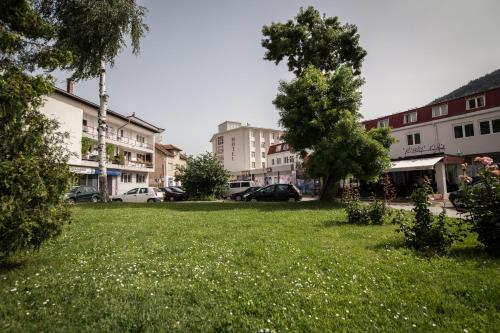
(102, 129)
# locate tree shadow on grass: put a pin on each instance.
(188, 206)
(467, 253)
(9, 264)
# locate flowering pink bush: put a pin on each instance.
(483, 204)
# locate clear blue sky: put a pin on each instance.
(202, 63)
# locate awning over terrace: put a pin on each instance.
(414, 164)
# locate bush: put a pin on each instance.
(204, 177)
(427, 233)
(482, 201)
(34, 175)
(356, 212)
(377, 211)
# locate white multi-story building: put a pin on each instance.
(282, 164)
(131, 142)
(242, 149)
(435, 140)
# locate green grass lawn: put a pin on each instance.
(212, 267)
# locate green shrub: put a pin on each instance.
(377, 211)
(203, 177)
(426, 233)
(482, 201)
(356, 212)
(34, 175)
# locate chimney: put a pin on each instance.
(69, 86)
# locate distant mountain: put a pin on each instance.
(489, 81)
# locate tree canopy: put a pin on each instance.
(311, 39)
(95, 30)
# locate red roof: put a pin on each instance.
(167, 149)
(456, 107)
(273, 149)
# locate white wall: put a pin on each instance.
(70, 120)
(438, 136)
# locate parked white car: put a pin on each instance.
(240, 186)
(140, 194)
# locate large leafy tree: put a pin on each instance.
(204, 177)
(95, 31)
(311, 39)
(33, 164)
(319, 108)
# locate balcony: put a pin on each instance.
(92, 160)
(113, 136)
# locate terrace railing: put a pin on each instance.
(112, 135)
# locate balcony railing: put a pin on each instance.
(92, 131)
(117, 163)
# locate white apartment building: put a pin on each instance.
(131, 142)
(435, 140)
(242, 149)
(282, 165)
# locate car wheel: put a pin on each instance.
(151, 200)
(238, 198)
(94, 199)
(292, 199)
(118, 200)
(253, 200)
(171, 199)
(71, 201)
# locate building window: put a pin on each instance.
(278, 160)
(484, 127)
(127, 155)
(285, 146)
(253, 165)
(495, 124)
(263, 165)
(263, 145)
(253, 144)
(126, 178)
(252, 134)
(475, 102)
(263, 155)
(272, 161)
(384, 123)
(465, 130)
(489, 126)
(220, 140)
(410, 118)
(253, 154)
(278, 148)
(286, 160)
(439, 110)
(272, 135)
(140, 178)
(413, 139)
(170, 166)
(140, 139)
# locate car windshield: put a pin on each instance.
(74, 189)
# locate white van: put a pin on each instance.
(239, 186)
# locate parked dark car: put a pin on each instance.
(83, 194)
(177, 189)
(276, 192)
(241, 195)
(171, 194)
(457, 197)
